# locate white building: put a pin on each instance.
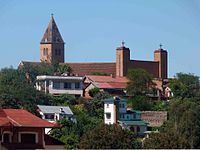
(115, 112)
(57, 85)
(55, 113)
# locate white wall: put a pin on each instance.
(110, 108)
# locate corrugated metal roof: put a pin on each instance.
(55, 109)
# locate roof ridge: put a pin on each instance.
(13, 120)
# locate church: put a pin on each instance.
(52, 49)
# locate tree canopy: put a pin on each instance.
(185, 85)
(139, 83)
(108, 137)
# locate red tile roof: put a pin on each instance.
(108, 82)
(81, 69)
(89, 68)
(22, 118)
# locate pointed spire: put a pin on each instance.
(52, 34)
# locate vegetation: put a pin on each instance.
(140, 82)
(185, 85)
(94, 91)
(181, 130)
(109, 137)
(100, 73)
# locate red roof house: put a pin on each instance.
(22, 130)
(113, 85)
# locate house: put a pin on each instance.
(115, 112)
(56, 85)
(110, 84)
(55, 113)
(22, 130)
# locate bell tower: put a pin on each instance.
(122, 60)
(160, 56)
(52, 44)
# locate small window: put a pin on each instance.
(123, 105)
(138, 129)
(77, 85)
(45, 51)
(56, 85)
(108, 115)
(127, 117)
(107, 105)
(6, 138)
(28, 138)
(67, 85)
(59, 52)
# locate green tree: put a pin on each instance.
(182, 130)
(185, 85)
(17, 92)
(140, 82)
(64, 69)
(108, 137)
(94, 91)
(142, 103)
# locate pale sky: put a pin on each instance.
(92, 29)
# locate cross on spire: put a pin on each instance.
(123, 43)
(160, 46)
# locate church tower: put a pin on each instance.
(122, 60)
(160, 56)
(52, 44)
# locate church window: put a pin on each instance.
(45, 51)
(59, 52)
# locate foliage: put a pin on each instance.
(108, 137)
(182, 130)
(64, 69)
(142, 103)
(93, 92)
(140, 82)
(17, 92)
(100, 73)
(185, 85)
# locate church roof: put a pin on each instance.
(52, 34)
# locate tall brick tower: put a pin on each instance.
(122, 60)
(160, 56)
(52, 44)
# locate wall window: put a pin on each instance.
(123, 105)
(108, 115)
(28, 138)
(67, 85)
(56, 52)
(77, 85)
(49, 116)
(45, 51)
(56, 85)
(138, 129)
(7, 138)
(107, 105)
(59, 52)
